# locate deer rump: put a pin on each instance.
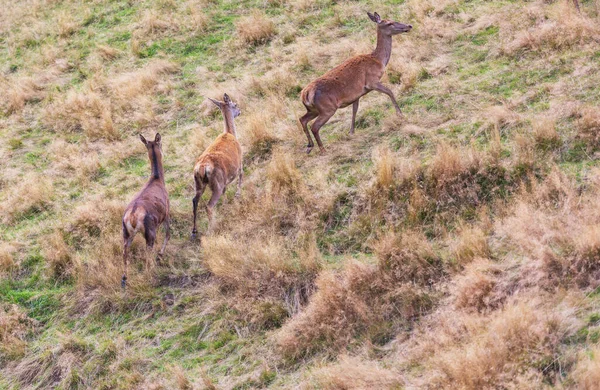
(220, 162)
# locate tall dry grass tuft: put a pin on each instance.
(544, 132)
(58, 256)
(565, 29)
(258, 134)
(262, 268)
(32, 194)
(354, 373)
(255, 29)
(21, 91)
(472, 243)
(384, 167)
(474, 290)
(513, 345)
(7, 260)
(587, 369)
(81, 111)
(365, 300)
(14, 328)
(283, 176)
(588, 126)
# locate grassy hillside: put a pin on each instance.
(457, 248)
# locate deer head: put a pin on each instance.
(389, 27)
(227, 104)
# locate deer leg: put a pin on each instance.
(354, 110)
(126, 244)
(316, 126)
(239, 183)
(167, 236)
(200, 187)
(309, 116)
(383, 89)
(150, 236)
(217, 191)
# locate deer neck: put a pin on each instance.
(383, 51)
(156, 162)
(229, 123)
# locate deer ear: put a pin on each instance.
(226, 99)
(157, 138)
(143, 140)
(217, 103)
(374, 17)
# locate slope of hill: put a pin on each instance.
(458, 248)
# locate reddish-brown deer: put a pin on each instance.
(220, 163)
(347, 83)
(149, 209)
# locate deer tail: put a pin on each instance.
(204, 171)
(308, 96)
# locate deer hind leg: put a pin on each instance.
(217, 191)
(354, 110)
(150, 236)
(200, 187)
(379, 87)
(316, 126)
(309, 116)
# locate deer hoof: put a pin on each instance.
(308, 149)
(194, 236)
(124, 282)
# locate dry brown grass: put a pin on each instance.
(32, 194)
(7, 260)
(544, 131)
(587, 370)
(359, 299)
(258, 133)
(107, 53)
(87, 112)
(384, 168)
(14, 327)
(588, 126)
(564, 29)
(505, 349)
(284, 177)
(154, 22)
(58, 256)
(474, 289)
(255, 29)
(472, 243)
(22, 91)
(352, 373)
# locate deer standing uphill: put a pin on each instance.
(348, 82)
(149, 209)
(220, 163)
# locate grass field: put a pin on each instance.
(456, 248)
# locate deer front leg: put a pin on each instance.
(217, 191)
(239, 183)
(354, 110)
(383, 89)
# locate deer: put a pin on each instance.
(219, 164)
(149, 209)
(345, 84)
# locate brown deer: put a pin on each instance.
(149, 209)
(348, 82)
(220, 163)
